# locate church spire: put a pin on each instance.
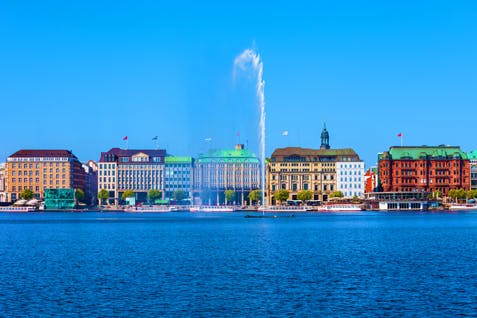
(325, 138)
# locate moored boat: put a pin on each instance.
(284, 208)
(211, 208)
(153, 208)
(463, 206)
(17, 209)
(340, 207)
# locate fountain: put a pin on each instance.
(249, 59)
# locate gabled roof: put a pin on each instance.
(117, 152)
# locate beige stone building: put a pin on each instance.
(295, 169)
(38, 170)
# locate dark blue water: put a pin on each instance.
(201, 265)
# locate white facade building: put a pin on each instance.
(350, 178)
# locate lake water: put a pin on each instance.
(201, 265)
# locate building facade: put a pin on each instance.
(91, 186)
(38, 170)
(178, 176)
(3, 197)
(473, 169)
(371, 180)
(296, 169)
(137, 170)
(231, 169)
(350, 178)
(424, 169)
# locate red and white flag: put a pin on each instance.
(400, 135)
(125, 138)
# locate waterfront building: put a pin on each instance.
(38, 170)
(178, 176)
(424, 169)
(137, 170)
(2, 183)
(350, 178)
(91, 186)
(371, 180)
(228, 169)
(296, 169)
(473, 169)
(321, 171)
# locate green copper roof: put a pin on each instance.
(425, 152)
(472, 154)
(174, 159)
(228, 156)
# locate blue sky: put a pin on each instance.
(82, 75)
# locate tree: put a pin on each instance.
(229, 196)
(436, 194)
(336, 194)
(27, 194)
(127, 194)
(305, 195)
(79, 195)
(471, 194)
(154, 195)
(103, 195)
(179, 195)
(254, 196)
(282, 195)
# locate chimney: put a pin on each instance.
(239, 147)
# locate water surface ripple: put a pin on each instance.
(201, 265)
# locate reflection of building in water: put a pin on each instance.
(228, 169)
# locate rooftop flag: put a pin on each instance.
(285, 133)
(125, 138)
(399, 135)
(155, 138)
(208, 139)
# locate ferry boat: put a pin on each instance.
(463, 206)
(153, 208)
(211, 208)
(340, 207)
(284, 208)
(17, 209)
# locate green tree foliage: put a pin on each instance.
(127, 194)
(305, 195)
(79, 195)
(457, 194)
(27, 194)
(336, 194)
(229, 196)
(179, 195)
(154, 195)
(282, 195)
(103, 195)
(254, 196)
(471, 194)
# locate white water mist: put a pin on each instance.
(250, 60)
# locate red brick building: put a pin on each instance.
(371, 180)
(424, 169)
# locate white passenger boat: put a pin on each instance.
(153, 208)
(284, 208)
(340, 207)
(468, 206)
(212, 208)
(17, 209)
